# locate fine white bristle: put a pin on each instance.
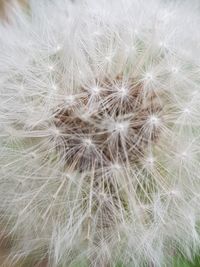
(100, 132)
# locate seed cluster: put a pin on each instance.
(111, 122)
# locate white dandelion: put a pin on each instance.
(99, 132)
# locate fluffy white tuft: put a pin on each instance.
(99, 131)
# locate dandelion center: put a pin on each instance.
(115, 130)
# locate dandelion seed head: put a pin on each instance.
(175, 70)
(175, 193)
(99, 140)
(55, 132)
(109, 58)
(54, 87)
(120, 127)
(69, 100)
(184, 155)
(51, 67)
(162, 44)
(58, 47)
(88, 142)
(149, 161)
(148, 76)
(154, 120)
(123, 91)
(186, 111)
(95, 90)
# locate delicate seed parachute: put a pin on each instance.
(99, 132)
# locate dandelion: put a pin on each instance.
(99, 132)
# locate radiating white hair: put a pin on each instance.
(99, 131)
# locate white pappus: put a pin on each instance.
(100, 132)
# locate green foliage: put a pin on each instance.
(181, 262)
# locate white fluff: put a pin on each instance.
(51, 208)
